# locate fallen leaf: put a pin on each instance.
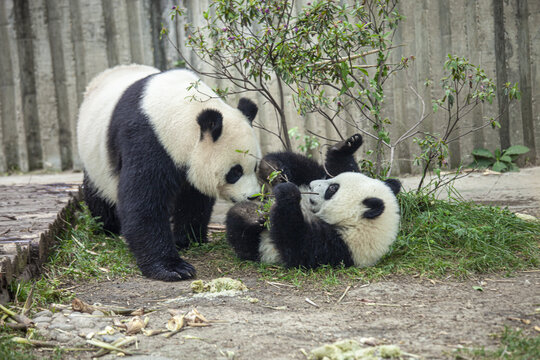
(195, 318)
(176, 323)
(80, 306)
(135, 325)
(138, 312)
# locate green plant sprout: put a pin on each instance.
(500, 161)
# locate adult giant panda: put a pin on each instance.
(348, 219)
(159, 147)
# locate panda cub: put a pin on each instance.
(348, 219)
(157, 149)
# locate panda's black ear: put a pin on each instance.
(248, 108)
(210, 121)
(393, 184)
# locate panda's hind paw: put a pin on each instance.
(347, 146)
(170, 270)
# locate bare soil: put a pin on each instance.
(424, 317)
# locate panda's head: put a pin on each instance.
(364, 211)
(224, 160)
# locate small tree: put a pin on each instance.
(334, 58)
(320, 48)
(465, 87)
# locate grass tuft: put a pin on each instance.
(83, 252)
(438, 239)
(514, 344)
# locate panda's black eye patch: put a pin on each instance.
(330, 191)
(234, 174)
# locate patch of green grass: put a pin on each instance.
(11, 350)
(83, 252)
(437, 239)
(459, 238)
(514, 344)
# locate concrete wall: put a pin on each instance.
(52, 48)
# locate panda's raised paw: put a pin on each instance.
(348, 146)
(169, 270)
(287, 192)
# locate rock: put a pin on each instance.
(82, 321)
(43, 313)
(42, 319)
(111, 338)
(59, 336)
(62, 326)
(41, 325)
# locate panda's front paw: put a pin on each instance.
(268, 169)
(348, 146)
(169, 270)
(287, 192)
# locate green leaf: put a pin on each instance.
(499, 167)
(482, 163)
(506, 159)
(513, 167)
(478, 288)
(516, 150)
(482, 153)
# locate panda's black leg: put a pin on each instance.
(144, 193)
(191, 215)
(100, 208)
(244, 225)
(340, 157)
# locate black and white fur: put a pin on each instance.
(350, 219)
(158, 148)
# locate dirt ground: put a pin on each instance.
(424, 317)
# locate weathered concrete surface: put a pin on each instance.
(53, 48)
(519, 191)
(31, 215)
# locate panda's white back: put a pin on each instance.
(100, 99)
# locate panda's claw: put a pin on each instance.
(348, 146)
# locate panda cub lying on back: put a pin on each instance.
(348, 219)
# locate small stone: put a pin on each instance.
(43, 313)
(42, 319)
(111, 338)
(59, 317)
(98, 313)
(67, 312)
(59, 336)
(60, 326)
(41, 325)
